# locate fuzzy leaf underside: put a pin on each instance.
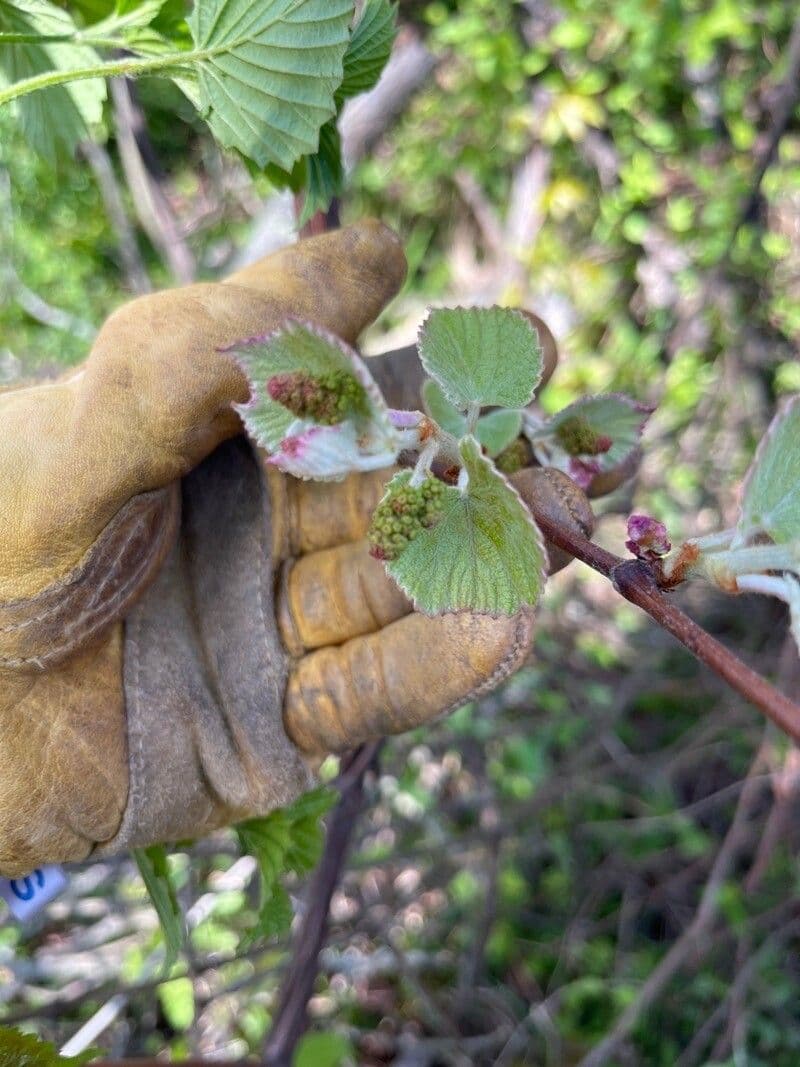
(295, 347)
(268, 72)
(57, 118)
(771, 491)
(485, 554)
(490, 357)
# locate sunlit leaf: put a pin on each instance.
(177, 1003)
(267, 72)
(484, 554)
(771, 492)
(489, 357)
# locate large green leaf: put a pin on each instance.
(55, 119)
(484, 554)
(771, 493)
(153, 864)
(489, 357)
(267, 72)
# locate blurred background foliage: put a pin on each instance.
(607, 846)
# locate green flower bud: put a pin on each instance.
(403, 514)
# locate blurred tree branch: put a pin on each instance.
(291, 1017)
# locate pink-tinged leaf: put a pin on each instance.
(595, 435)
(327, 453)
(303, 381)
(647, 538)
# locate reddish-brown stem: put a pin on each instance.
(291, 1016)
(638, 583)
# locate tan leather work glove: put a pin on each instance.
(180, 625)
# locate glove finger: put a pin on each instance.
(309, 516)
(401, 677)
(154, 398)
(340, 280)
(328, 597)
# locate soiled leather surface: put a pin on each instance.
(180, 626)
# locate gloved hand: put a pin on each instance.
(182, 627)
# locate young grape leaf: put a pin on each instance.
(267, 72)
(153, 864)
(314, 405)
(595, 435)
(771, 491)
(495, 431)
(286, 841)
(369, 49)
(485, 357)
(484, 553)
(53, 120)
(27, 1050)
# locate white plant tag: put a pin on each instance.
(27, 896)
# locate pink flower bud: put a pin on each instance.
(647, 538)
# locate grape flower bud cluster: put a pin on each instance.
(402, 515)
(326, 399)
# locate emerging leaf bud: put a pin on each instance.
(402, 514)
(647, 538)
(326, 399)
(577, 437)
